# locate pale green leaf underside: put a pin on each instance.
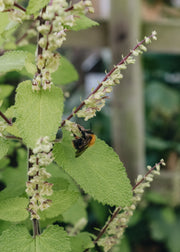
(5, 91)
(17, 239)
(83, 22)
(15, 179)
(76, 213)
(62, 181)
(38, 113)
(61, 201)
(34, 6)
(98, 171)
(65, 74)
(4, 20)
(81, 242)
(14, 209)
(12, 61)
(4, 146)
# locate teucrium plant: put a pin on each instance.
(34, 120)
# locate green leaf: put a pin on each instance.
(14, 209)
(65, 74)
(12, 60)
(123, 246)
(4, 20)
(34, 6)
(164, 226)
(81, 242)
(76, 213)
(5, 91)
(13, 129)
(98, 171)
(83, 22)
(157, 143)
(15, 179)
(38, 113)
(62, 181)
(4, 225)
(54, 238)
(163, 99)
(17, 239)
(61, 201)
(4, 146)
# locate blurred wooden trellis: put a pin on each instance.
(120, 32)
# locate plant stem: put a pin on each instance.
(100, 84)
(5, 118)
(14, 138)
(137, 184)
(36, 229)
(35, 222)
(103, 230)
(42, 21)
(19, 7)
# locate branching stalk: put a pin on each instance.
(115, 213)
(106, 77)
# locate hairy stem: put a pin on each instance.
(100, 84)
(36, 229)
(137, 184)
(35, 222)
(103, 230)
(42, 21)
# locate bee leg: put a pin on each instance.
(81, 129)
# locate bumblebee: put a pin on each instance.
(86, 140)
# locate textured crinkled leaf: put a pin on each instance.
(18, 239)
(83, 22)
(5, 90)
(4, 146)
(98, 171)
(12, 61)
(66, 73)
(35, 6)
(61, 201)
(14, 209)
(81, 242)
(38, 113)
(10, 112)
(13, 129)
(54, 238)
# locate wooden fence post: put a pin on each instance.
(127, 106)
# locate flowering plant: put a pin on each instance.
(51, 193)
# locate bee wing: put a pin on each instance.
(79, 152)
